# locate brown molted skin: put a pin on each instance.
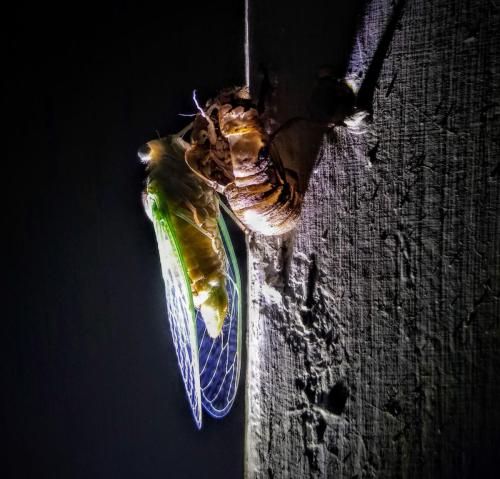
(209, 157)
(261, 195)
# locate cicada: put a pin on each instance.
(201, 276)
(229, 154)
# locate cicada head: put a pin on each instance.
(156, 152)
(152, 153)
(144, 153)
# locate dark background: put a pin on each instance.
(90, 386)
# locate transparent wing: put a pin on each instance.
(220, 358)
(181, 313)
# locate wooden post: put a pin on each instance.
(374, 328)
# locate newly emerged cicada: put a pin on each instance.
(200, 271)
(229, 154)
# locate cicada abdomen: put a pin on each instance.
(235, 155)
(192, 209)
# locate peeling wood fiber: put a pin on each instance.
(374, 329)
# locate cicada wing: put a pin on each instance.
(180, 309)
(220, 358)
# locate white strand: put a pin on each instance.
(200, 109)
(247, 46)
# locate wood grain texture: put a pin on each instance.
(374, 329)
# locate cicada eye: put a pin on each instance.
(144, 153)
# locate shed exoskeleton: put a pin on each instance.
(233, 153)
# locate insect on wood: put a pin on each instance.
(229, 154)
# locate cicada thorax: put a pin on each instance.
(259, 191)
(193, 212)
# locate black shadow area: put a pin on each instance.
(90, 385)
(292, 41)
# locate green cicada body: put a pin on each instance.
(201, 276)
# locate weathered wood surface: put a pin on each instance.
(374, 329)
